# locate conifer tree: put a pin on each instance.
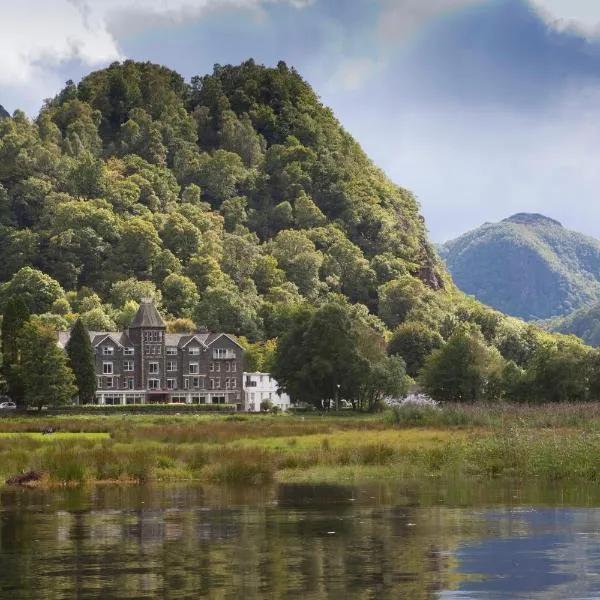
(50, 380)
(16, 314)
(81, 360)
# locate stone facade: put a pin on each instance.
(145, 364)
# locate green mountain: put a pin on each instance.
(3, 112)
(228, 198)
(527, 266)
(584, 323)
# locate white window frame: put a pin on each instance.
(194, 350)
(128, 366)
(105, 368)
(171, 384)
(194, 368)
(128, 351)
(172, 366)
(108, 350)
(171, 350)
(153, 384)
(153, 368)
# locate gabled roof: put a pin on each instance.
(119, 338)
(213, 337)
(199, 337)
(147, 316)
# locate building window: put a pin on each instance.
(233, 367)
(171, 351)
(153, 384)
(196, 382)
(234, 384)
(128, 383)
(171, 384)
(128, 351)
(212, 366)
(153, 368)
(194, 350)
(178, 399)
(108, 383)
(147, 348)
(194, 369)
(227, 383)
(107, 350)
(186, 384)
(212, 384)
(218, 367)
(228, 367)
(172, 365)
(99, 382)
(107, 368)
(127, 365)
(220, 353)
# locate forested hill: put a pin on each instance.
(3, 112)
(233, 195)
(528, 266)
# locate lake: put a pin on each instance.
(453, 540)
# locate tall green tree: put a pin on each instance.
(81, 360)
(465, 369)
(48, 380)
(16, 314)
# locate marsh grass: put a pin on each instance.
(553, 443)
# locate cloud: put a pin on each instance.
(580, 15)
(37, 34)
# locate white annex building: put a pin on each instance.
(259, 387)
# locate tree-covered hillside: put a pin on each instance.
(528, 266)
(584, 323)
(239, 203)
(233, 195)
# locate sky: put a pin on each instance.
(482, 108)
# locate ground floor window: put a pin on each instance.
(198, 399)
(112, 400)
(178, 399)
(153, 384)
(134, 398)
(218, 400)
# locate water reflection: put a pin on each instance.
(459, 540)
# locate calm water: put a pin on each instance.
(402, 540)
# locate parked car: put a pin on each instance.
(8, 406)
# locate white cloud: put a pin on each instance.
(582, 15)
(37, 34)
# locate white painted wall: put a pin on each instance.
(259, 387)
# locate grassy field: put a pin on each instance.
(554, 442)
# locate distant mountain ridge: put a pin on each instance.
(527, 265)
(3, 112)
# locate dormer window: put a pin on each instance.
(128, 351)
(194, 350)
(171, 350)
(108, 350)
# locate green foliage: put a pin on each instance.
(16, 315)
(465, 369)
(47, 377)
(414, 342)
(82, 362)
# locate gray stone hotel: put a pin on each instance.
(145, 364)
